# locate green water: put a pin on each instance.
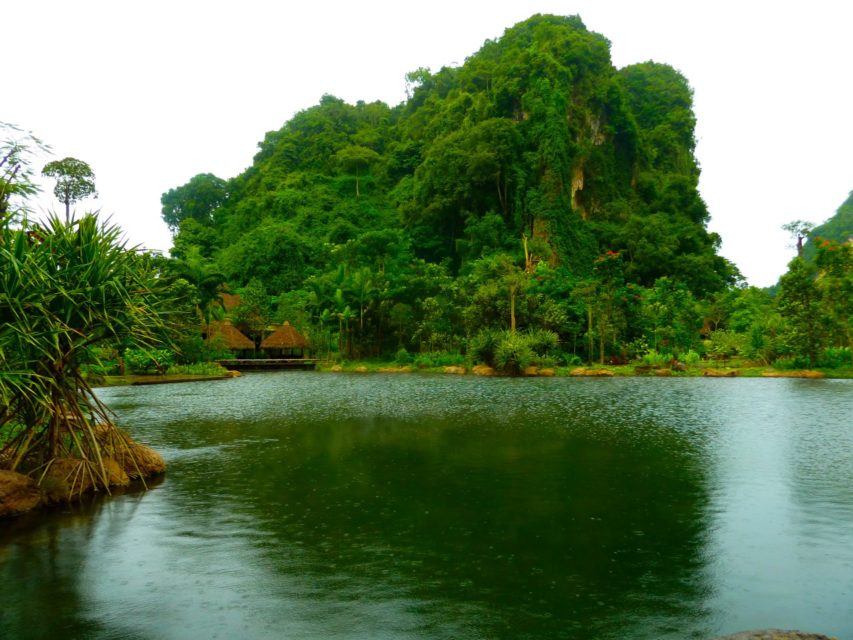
(304, 505)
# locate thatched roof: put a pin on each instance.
(231, 336)
(230, 300)
(285, 337)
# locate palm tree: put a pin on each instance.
(66, 287)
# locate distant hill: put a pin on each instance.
(838, 228)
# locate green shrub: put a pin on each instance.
(657, 360)
(513, 353)
(791, 362)
(569, 359)
(438, 359)
(835, 358)
(482, 347)
(541, 341)
(199, 369)
(691, 358)
(141, 361)
(725, 344)
(547, 362)
(403, 357)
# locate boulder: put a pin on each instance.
(18, 493)
(548, 372)
(593, 373)
(142, 462)
(775, 634)
(802, 373)
(483, 370)
(663, 373)
(530, 371)
(720, 373)
(454, 370)
(67, 479)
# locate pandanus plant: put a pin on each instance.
(67, 286)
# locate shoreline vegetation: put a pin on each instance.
(707, 370)
(715, 369)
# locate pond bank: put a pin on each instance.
(65, 480)
(710, 370)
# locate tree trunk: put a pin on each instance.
(512, 309)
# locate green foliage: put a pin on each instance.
(726, 344)
(438, 359)
(199, 369)
(197, 200)
(17, 180)
(838, 229)
(656, 360)
(534, 187)
(514, 353)
(836, 357)
(65, 288)
(148, 360)
(799, 303)
(403, 357)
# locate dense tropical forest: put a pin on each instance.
(533, 206)
(534, 203)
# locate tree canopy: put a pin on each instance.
(75, 181)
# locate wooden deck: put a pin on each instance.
(268, 364)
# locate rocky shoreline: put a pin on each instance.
(775, 634)
(64, 480)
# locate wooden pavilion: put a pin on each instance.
(224, 334)
(284, 342)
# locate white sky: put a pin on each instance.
(153, 93)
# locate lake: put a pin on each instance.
(312, 505)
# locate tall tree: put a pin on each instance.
(799, 230)
(197, 199)
(75, 180)
(356, 158)
(799, 303)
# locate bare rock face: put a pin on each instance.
(720, 373)
(775, 634)
(18, 493)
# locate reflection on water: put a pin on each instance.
(306, 505)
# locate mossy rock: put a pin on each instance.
(775, 634)
(580, 372)
(67, 479)
(801, 373)
(18, 493)
(483, 370)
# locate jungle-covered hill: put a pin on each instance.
(535, 168)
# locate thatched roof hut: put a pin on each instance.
(229, 301)
(284, 337)
(231, 337)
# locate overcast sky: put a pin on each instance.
(151, 94)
